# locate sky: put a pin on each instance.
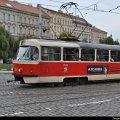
(104, 14)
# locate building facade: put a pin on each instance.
(61, 22)
(83, 29)
(23, 20)
(97, 34)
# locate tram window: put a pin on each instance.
(102, 55)
(51, 53)
(70, 54)
(27, 53)
(87, 54)
(115, 55)
(35, 53)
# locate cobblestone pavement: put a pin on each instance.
(98, 99)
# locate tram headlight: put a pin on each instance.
(20, 70)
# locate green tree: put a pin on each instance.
(109, 40)
(7, 43)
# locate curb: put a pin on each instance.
(6, 72)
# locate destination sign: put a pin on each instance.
(97, 69)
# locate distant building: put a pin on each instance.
(24, 20)
(62, 22)
(83, 29)
(59, 23)
(97, 34)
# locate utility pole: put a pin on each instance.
(40, 21)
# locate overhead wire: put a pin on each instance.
(95, 6)
(114, 8)
(92, 7)
(64, 6)
(88, 8)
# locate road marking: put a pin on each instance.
(48, 109)
(96, 102)
(16, 113)
(12, 114)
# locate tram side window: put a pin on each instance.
(115, 55)
(102, 55)
(70, 54)
(34, 53)
(51, 53)
(87, 54)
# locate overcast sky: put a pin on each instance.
(106, 15)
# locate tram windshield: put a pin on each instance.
(27, 53)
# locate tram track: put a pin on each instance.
(51, 94)
(82, 96)
(67, 93)
(70, 89)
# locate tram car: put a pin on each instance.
(64, 62)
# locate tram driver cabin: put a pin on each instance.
(65, 61)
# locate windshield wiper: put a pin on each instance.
(21, 58)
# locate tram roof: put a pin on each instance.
(96, 46)
(93, 45)
(44, 42)
(63, 43)
(99, 46)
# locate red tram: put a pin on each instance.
(56, 61)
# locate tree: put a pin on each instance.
(7, 43)
(109, 40)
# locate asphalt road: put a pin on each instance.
(98, 99)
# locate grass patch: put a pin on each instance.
(5, 66)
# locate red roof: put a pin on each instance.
(73, 17)
(79, 18)
(97, 30)
(31, 9)
(22, 7)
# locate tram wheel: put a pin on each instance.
(83, 81)
(52, 84)
(58, 84)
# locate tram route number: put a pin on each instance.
(97, 69)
